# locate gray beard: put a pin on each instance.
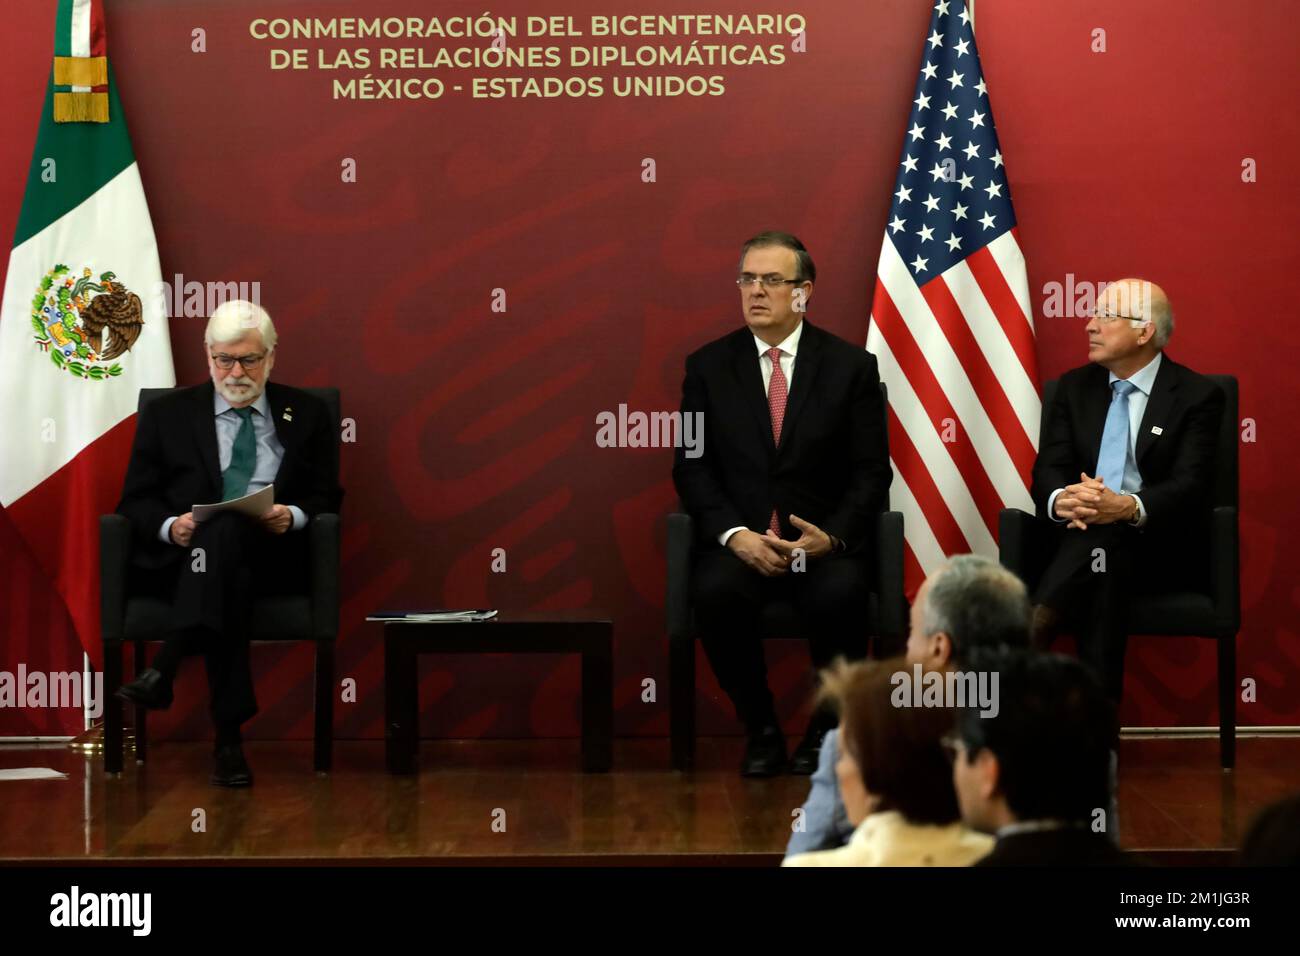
(247, 396)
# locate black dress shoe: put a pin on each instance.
(806, 755)
(764, 753)
(230, 769)
(150, 690)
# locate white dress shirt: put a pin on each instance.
(789, 351)
(1142, 380)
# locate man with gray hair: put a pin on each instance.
(1124, 474)
(218, 441)
(967, 606)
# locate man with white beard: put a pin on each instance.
(218, 441)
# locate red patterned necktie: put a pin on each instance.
(776, 395)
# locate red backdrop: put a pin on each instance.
(476, 429)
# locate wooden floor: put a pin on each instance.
(1173, 797)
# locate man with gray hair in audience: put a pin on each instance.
(966, 604)
(226, 438)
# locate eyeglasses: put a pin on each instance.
(246, 362)
(1106, 318)
(748, 280)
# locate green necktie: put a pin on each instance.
(243, 458)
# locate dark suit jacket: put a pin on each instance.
(1067, 847)
(1177, 466)
(832, 468)
(175, 464)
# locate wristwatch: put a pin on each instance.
(1137, 512)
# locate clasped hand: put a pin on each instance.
(771, 555)
(1091, 502)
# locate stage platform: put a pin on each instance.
(1176, 805)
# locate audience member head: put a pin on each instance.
(966, 603)
(1044, 754)
(890, 758)
(1274, 836)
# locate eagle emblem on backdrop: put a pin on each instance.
(85, 324)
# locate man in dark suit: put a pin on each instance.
(1036, 773)
(792, 470)
(214, 442)
(1124, 472)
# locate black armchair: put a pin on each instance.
(313, 616)
(887, 617)
(1023, 542)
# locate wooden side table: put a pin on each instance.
(511, 634)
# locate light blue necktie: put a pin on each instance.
(1114, 438)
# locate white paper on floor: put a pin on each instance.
(31, 773)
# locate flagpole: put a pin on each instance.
(85, 688)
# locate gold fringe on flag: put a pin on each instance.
(81, 71)
(81, 107)
(85, 105)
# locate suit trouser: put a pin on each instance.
(831, 596)
(1089, 582)
(231, 561)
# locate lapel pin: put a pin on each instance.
(287, 415)
(1157, 430)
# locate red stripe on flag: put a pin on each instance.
(913, 573)
(36, 632)
(1005, 306)
(921, 377)
(913, 468)
(992, 396)
(98, 35)
(59, 521)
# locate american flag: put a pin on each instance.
(950, 321)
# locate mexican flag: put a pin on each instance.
(82, 326)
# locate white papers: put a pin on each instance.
(430, 617)
(31, 773)
(254, 505)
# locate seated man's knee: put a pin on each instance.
(836, 589)
(720, 586)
